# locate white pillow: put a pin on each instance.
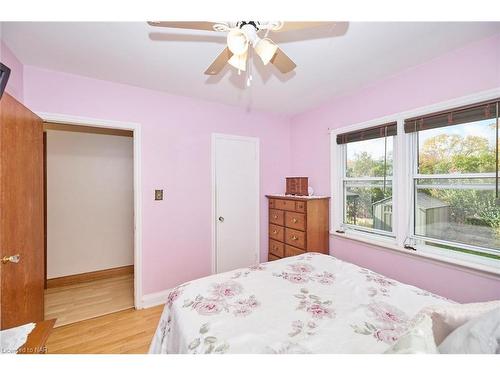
(480, 335)
(419, 339)
(447, 318)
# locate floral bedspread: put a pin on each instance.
(312, 303)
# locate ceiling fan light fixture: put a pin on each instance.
(266, 49)
(239, 61)
(237, 42)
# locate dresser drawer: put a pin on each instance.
(300, 206)
(295, 220)
(277, 248)
(291, 251)
(300, 222)
(276, 232)
(272, 203)
(271, 257)
(295, 238)
(283, 204)
(277, 217)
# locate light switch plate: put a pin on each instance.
(158, 195)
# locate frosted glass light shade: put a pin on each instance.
(239, 61)
(266, 49)
(237, 42)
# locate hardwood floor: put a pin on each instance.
(98, 317)
(74, 303)
(125, 332)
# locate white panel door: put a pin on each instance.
(236, 177)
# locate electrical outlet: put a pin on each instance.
(158, 195)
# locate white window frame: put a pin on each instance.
(337, 163)
(385, 235)
(403, 193)
(419, 239)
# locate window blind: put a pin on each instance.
(461, 115)
(456, 116)
(380, 131)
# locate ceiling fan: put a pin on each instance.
(245, 34)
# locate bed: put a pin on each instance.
(312, 303)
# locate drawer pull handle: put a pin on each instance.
(275, 231)
(275, 216)
(295, 238)
(294, 220)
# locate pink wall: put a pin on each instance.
(462, 72)
(15, 84)
(176, 156)
(176, 136)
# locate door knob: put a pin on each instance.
(11, 258)
(221, 219)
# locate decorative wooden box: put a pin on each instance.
(297, 186)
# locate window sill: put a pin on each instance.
(391, 245)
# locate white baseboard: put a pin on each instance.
(154, 299)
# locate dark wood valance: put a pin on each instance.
(380, 131)
(461, 115)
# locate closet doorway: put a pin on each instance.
(89, 223)
(236, 194)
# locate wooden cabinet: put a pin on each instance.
(298, 225)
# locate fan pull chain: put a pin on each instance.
(249, 69)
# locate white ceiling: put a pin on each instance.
(330, 62)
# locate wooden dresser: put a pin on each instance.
(298, 225)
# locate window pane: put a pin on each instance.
(367, 206)
(458, 210)
(466, 148)
(366, 158)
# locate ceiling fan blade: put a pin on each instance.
(292, 26)
(219, 62)
(282, 62)
(194, 25)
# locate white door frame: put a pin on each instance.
(256, 141)
(136, 128)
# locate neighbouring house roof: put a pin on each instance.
(424, 201)
(349, 194)
(388, 200)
